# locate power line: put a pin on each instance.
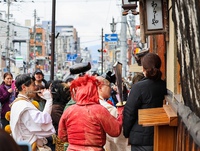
(90, 41)
(72, 1)
(108, 13)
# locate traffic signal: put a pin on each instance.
(100, 50)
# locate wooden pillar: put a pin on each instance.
(165, 123)
(158, 45)
(164, 138)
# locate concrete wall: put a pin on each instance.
(171, 55)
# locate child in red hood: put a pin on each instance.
(85, 124)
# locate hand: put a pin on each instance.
(45, 94)
(10, 90)
(120, 110)
(120, 107)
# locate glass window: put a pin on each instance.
(38, 37)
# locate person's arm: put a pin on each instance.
(46, 94)
(130, 113)
(38, 123)
(42, 121)
(4, 95)
(111, 125)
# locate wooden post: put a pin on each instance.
(166, 20)
(142, 24)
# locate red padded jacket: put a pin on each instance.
(85, 124)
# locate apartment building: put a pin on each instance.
(38, 45)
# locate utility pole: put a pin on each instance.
(113, 30)
(123, 45)
(53, 38)
(1, 63)
(34, 32)
(102, 51)
(133, 33)
(8, 38)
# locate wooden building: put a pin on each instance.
(177, 128)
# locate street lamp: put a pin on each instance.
(129, 5)
(3, 54)
(113, 25)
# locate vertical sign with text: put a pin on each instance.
(154, 14)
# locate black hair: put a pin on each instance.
(48, 84)
(60, 92)
(21, 79)
(95, 73)
(151, 62)
(69, 80)
(7, 142)
(109, 76)
(54, 86)
(38, 71)
(6, 74)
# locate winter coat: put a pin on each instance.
(85, 124)
(4, 100)
(56, 113)
(85, 127)
(144, 94)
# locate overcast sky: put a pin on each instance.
(87, 16)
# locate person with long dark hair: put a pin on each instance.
(61, 95)
(147, 93)
(7, 95)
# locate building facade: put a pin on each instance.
(14, 43)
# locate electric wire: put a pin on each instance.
(27, 12)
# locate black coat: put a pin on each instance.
(144, 94)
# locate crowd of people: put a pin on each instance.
(81, 113)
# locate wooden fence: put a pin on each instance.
(185, 141)
(188, 129)
(176, 127)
